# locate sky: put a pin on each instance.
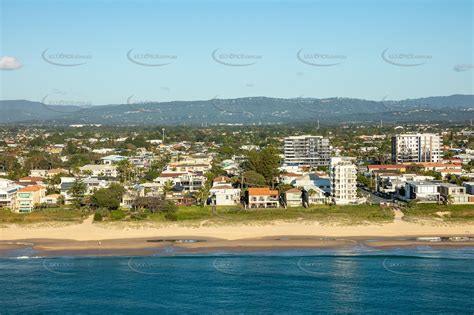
(112, 52)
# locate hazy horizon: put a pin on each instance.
(102, 53)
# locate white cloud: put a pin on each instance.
(463, 67)
(9, 63)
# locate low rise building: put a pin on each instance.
(8, 191)
(99, 170)
(190, 181)
(29, 197)
(423, 192)
(469, 187)
(262, 198)
(454, 194)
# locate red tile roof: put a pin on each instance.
(31, 188)
(262, 192)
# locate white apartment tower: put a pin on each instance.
(420, 147)
(343, 177)
(307, 150)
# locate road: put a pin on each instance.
(373, 198)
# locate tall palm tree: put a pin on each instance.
(167, 187)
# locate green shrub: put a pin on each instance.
(171, 216)
(117, 215)
(97, 217)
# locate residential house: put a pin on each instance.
(423, 192)
(100, 170)
(190, 181)
(112, 159)
(262, 198)
(29, 197)
(454, 194)
(8, 191)
(293, 197)
(469, 187)
(390, 183)
(223, 192)
(52, 199)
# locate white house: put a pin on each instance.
(422, 191)
(190, 181)
(293, 198)
(100, 170)
(226, 195)
(8, 191)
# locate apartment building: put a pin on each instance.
(306, 150)
(28, 197)
(343, 179)
(412, 148)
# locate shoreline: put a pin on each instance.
(186, 245)
(127, 239)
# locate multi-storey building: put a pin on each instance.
(412, 148)
(343, 177)
(8, 191)
(28, 197)
(307, 150)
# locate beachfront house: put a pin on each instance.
(423, 192)
(262, 198)
(29, 197)
(8, 191)
(454, 194)
(293, 197)
(223, 193)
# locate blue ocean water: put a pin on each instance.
(365, 281)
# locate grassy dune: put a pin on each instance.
(449, 213)
(46, 215)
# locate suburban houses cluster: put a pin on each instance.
(311, 171)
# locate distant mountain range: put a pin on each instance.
(248, 110)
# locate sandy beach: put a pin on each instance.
(128, 238)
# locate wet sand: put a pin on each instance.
(190, 245)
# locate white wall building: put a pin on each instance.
(100, 170)
(422, 191)
(8, 191)
(420, 147)
(306, 150)
(343, 178)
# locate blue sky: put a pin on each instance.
(362, 49)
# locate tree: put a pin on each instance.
(264, 162)
(253, 179)
(78, 191)
(125, 170)
(155, 204)
(434, 174)
(167, 187)
(414, 168)
(109, 198)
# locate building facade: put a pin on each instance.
(413, 148)
(343, 179)
(307, 150)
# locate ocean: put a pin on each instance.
(359, 280)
